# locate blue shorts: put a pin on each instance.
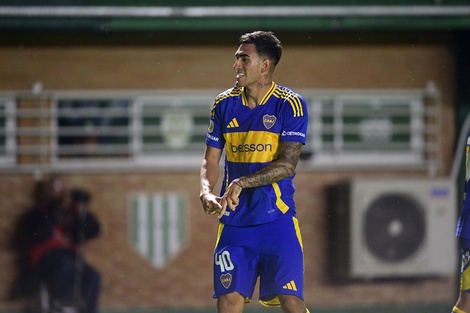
(271, 251)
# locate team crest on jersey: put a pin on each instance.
(269, 121)
(226, 280)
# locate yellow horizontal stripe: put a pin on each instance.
(251, 147)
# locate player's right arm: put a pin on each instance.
(208, 178)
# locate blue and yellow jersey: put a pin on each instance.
(251, 140)
(463, 226)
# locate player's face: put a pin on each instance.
(247, 65)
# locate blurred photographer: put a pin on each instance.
(54, 231)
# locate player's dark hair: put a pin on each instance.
(266, 43)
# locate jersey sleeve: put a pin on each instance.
(295, 121)
(214, 137)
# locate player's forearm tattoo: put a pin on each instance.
(289, 154)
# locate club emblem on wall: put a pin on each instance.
(157, 226)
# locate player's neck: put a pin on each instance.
(255, 94)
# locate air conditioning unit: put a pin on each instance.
(393, 228)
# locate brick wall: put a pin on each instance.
(129, 280)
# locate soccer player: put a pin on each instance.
(463, 232)
(262, 127)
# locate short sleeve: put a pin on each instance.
(214, 137)
(295, 123)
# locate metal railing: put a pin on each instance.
(98, 130)
(376, 128)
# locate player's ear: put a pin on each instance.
(266, 65)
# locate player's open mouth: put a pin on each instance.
(239, 75)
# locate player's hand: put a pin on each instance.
(211, 204)
(231, 197)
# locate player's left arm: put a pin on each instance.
(283, 167)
